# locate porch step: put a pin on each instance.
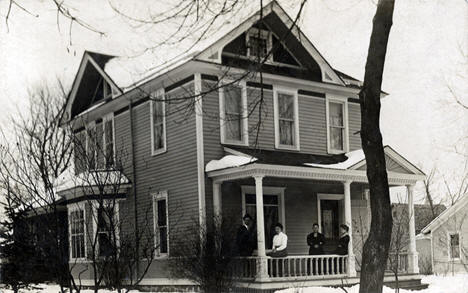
(408, 285)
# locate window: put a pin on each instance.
(77, 233)
(160, 223)
(158, 124)
(103, 90)
(108, 138)
(454, 246)
(233, 114)
(91, 146)
(106, 229)
(337, 126)
(259, 43)
(286, 119)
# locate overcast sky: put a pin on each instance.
(428, 39)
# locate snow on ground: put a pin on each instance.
(437, 284)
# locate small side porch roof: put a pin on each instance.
(241, 163)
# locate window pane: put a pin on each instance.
(250, 199)
(233, 98)
(105, 244)
(336, 114)
(233, 112)
(286, 132)
(455, 245)
(286, 106)
(158, 112)
(336, 138)
(233, 127)
(158, 136)
(162, 213)
(163, 239)
(109, 137)
(270, 199)
(258, 46)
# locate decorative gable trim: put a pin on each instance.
(214, 52)
(87, 58)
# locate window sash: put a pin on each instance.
(91, 147)
(233, 108)
(109, 142)
(336, 126)
(161, 225)
(158, 122)
(454, 246)
(77, 225)
(286, 118)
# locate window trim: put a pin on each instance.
(95, 206)
(159, 93)
(244, 115)
(449, 246)
(160, 195)
(344, 102)
(89, 126)
(296, 139)
(263, 34)
(108, 117)
(70, 209)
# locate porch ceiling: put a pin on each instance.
(302, 172)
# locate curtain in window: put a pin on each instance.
(233, 112)
(336, 122)
(286, 118)
(158, 125)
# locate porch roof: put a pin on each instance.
(254, 162)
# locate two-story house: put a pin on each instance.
(208, 136)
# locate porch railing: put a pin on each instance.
(397, 262)
(294, 267)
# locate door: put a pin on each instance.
(330, 220)
(271, 213)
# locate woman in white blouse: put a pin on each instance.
(280, 243)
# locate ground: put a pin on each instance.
(437, 284)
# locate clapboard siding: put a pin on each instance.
(174, 171)
(354, 121)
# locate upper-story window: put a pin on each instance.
(158, 123)
(337, 132)
(104, 90)
(259, 43)
(454, 246)
(91, 146)
(108, 140)
(233, 114)
(161, 239)
(286, 119)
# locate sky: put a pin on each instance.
(427, 54)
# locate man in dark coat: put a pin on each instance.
(245, 239)
(342, 248)
(315, 240)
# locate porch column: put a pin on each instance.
(413, 267)
(217, 204)
(349, 222)
(262, 269)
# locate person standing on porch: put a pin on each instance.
(315, 240)
(245, 240)
(342, 248)
(280, 243)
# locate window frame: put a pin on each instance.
(109, 117)
(95, 207)
(296, 136)
(160, 195)
(263, 34)
(71, 208)
(244, 141)
(91, 126)
(159, 93)
(344, 102)
(449, 246)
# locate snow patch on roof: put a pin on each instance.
(353, 158)
(68, 179)
(228, 161)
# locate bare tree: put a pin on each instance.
(376, 247)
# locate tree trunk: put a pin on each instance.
(375, 251)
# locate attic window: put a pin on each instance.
(103, 90)
(258, 43)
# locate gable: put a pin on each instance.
(391, 165)
(91, 84)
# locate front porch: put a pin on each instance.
(297, 197)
